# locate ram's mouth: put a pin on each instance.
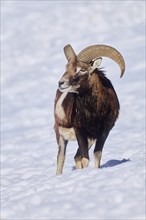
(64, 89)
(74, 89)
(71, 89)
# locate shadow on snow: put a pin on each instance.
(112, 163)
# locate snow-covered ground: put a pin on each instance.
(33, 35)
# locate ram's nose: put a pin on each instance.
(60, 83)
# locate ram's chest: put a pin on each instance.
(63, 109)
(59, 109)
(86, 108)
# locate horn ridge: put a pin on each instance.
(90, 53)
(69, 52)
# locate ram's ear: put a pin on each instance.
(96, 63)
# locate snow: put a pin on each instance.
(33, 34)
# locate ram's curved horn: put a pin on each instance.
(69, 52)
(92, 52)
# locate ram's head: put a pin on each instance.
(80, 66)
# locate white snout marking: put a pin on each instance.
(59, 108)
(65, 85)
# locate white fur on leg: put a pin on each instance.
(61, 155)
(60, 163)
(97, 157)
(85, 162)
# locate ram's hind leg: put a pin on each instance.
(97, 159)
(61, 154)
(98, 148)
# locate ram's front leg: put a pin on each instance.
(82, 155)
(62, 143)
(78, 159)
